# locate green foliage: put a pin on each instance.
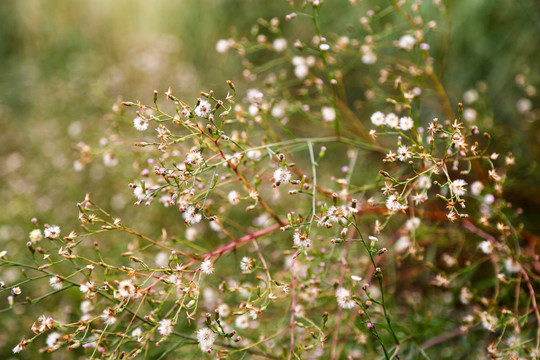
(430, 287)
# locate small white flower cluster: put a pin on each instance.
(234, 197)
(458, 187)
(191, 216)
(301, 240)
(56, 282)
(207, 267)
(391, 120)
(280, 44)
(393, 203)
(302, 65)
(406, 42)
(109, 316)
(335, 213)
(223, 45)
(52, 231)
(282, 176)
(368, 56)
(204, 109)
(344, 298)
(165, 327)
(328, 113)
(126, 289)
(193, 157)
(206, 339)
(140, 123)
(246, 264)
(43, 324)
(87, 287)
(35, 236)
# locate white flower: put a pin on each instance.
(56, 283)
(278, 111)
(43, 324)
(16, 291)
(280, 44)
(136, 332)
(402, 244)
(207, 267)
(469, 114)
(234, 197)
(419, 198)
(298, 60)
(407, 42)
(328, 113)
(193, 157)
(403, 153)
(165, 327)
(254, 155)
(242, 322)
(356, 278)
(344, 298)
(52, 339)
(458, 187)
(203, 109)
(465, 296)
(86, 306)
(140, 123)
(512, 266)
(84, 288)
(254, 95)
(392, 121)
(108, 316)
(253, 109)
(224, 310)
(373, 238)
(301, 240)
(139, 192)
(424, 182)
(282, 176)
(20, 347)
(191, 234)
(206, 338)
(78, 165)
(324, 47)
(109, 159)
(412, 224)
(301, 71)
(524, 105)
(3, 253)
(35, 236)
(477, 187)
(191, 217)
(393, 204)
(489, 199)
(406, 123)
(222, 46)
(126, 288)
(377, 118)
(246, 264)
(368, 56)
(337, 212)
(52, 232)
(486, 247)
(488, 321)
(470, 96)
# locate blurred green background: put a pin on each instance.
(65, 63)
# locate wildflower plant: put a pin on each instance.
(389, 237)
